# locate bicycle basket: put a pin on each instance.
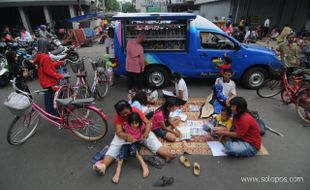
(18, 104)
(76, 66)
(97, 63)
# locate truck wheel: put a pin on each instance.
(157, 76)
(254, 77)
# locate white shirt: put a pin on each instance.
(229, 88)
(267, 22)
(109, 43)
(181, 86)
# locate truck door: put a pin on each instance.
(211, 47)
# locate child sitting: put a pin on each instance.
(161, 120)
(152, 94)
(221, 120)
(224, 118)
(135, 128)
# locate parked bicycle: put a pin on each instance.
(298, 92)
(81, 89)
(84, 119)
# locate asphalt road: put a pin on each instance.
(55, 159)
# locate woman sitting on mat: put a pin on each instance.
(135, 127)
(245, 139)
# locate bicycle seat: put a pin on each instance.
(82, 101)
(70, 101)
(81, 74)
(65, 101)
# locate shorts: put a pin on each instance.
(151, 143)
(160, 132)
(129, 150)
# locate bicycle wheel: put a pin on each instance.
(22, 128)
(87, 123)
(303, 106)
(62, 93)
(270, 88)
(102, 85)
(285, 96)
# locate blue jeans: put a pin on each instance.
(48, 101)
(239, 149)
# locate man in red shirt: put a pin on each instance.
(246, 131)
(123, 109)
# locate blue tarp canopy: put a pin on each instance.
(154, 16)
(85, 17)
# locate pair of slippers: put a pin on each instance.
(154, 160)
(186, 163)
(164, 181)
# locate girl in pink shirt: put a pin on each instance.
(135, 127)
(161, 121)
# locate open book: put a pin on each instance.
(168, 93)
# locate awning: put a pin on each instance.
(154, 16)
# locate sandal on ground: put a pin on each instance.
(99, 168)
(185, 161)
(155, 161)
(196, 169)
(164, 181)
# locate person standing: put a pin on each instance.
(48, 76)
(266, 26)
(289, 53)
(135, 62)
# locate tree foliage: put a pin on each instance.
(128, 7)
(111, 5)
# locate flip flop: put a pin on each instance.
(185, 161)
(155, 161)
(164, 181)
(196, 169)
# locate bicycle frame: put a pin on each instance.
(292, 91)
(61, 121)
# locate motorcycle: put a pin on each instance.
(4, 67)
(23, 59)
(305, 61)
(4, 71)
(65, 52)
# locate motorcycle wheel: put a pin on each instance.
(4, 79)
(73, 56)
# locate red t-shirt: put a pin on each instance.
(118, 120)
(157, 119)
(224, 66)
(247, 127)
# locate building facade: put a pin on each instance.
(32, 13)
(150, 5)
(294, 13)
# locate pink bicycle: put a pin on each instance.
(83, 118)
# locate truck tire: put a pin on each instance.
(254, 77)
(157, 76)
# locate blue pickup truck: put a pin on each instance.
(190, 44)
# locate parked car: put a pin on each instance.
(189, 44)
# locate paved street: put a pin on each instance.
(55, 159)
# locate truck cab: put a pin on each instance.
(189, 44)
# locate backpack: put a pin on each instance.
(260, 122)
